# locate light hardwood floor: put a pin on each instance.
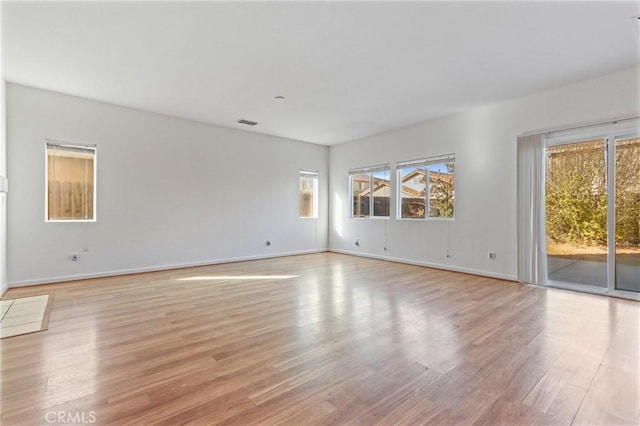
(341, 340)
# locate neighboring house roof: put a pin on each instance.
(407, 191)
(444, 177)
(378, 184)
(411, 192)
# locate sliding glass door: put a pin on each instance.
(592, 213)
(576, 213)
(627, 214)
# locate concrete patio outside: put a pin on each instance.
(592, 272)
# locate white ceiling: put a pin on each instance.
(347, 69)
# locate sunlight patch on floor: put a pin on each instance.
(239, 277)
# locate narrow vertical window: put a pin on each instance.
(361, 191)
(380, 182)
(70, 186)
(442, 189)
(308, 194)
(426, 188)
(413, 183)
(370, 191)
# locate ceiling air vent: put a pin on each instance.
(247, 122)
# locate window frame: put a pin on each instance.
(426, 163)
(386, 167)
(52, 142)
(312, 174)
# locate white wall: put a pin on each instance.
(484, 141)
(171, 192)
(3, 196)
(186, 203)
(3, 174)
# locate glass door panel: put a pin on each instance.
(627, 214)
(576, 213)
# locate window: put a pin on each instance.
(308, 194)
(70, 188)
(426, 188)
(371, 191)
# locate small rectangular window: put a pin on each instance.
(308, 194)
(361, 183)
(442, 189)
(412, 199)
(426, 188)
(71, 182)
(370, 191)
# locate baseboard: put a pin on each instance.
(157, 268)
(429, 265)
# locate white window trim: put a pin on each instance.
(370, 171)
(314, 175)
(426, 162)
(47, 143)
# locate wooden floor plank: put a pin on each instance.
(338, 340)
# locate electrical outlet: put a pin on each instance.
(75, 257)
(492, 255)
(358, 243)
(268, 243)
